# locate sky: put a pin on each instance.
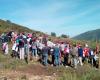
(70, 17)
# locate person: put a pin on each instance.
(80, 54)
(96, 61)
(45, 51)
(62, 46)
(74, 53)
(0, 41)
(44, 39)
(5, 44)
(56, 55)
(66, 55)
(52, 55)
(91, 56)
(5, 48)
(14, 50)
(26, 48)
(21, 47)
(97, 49)
(86, 53)
(34, 49)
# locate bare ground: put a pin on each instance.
(31, 72)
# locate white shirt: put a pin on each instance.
(50, 44)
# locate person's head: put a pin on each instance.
(80, 46)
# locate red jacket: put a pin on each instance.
(86, 52)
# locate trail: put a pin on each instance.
(31, 72)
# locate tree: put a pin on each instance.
(53, 34)
(64, 36)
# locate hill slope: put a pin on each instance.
(6, 26)
(90, 35)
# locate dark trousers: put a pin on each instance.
(66, 58)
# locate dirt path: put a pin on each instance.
(36, 70)
(31, 72)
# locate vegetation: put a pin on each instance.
(91, 74)
(64, 36)
(6, 26)
(53, 34)
(61, 73)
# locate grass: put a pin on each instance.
(82, 73)
(7, 62)
(85, 73)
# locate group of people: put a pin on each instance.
(29, 46)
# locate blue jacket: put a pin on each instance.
(80, 52)
(45, 50)
(56, 51)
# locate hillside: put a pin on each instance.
(6, 26)
(34, 70)
(90, 35)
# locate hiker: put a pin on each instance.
(52, 55)
(44, 39)
(14, 36)
(91, 56)
(34, 49)
(26, 48)
(14, 50)
(86, 53)
(66, 56)
(45, 51)
(74, 53)
(29, 47)
(80, 54)
(56, 55)
(5, 43)
(0, 41)
(62, 46)
(96, 60)
(21, 47)
(40, 39)
(97, 49)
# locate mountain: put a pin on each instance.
(89, 35)
(6, 26)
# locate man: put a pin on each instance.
(34, 49)
(74, 53)
(80, 54)
(45, 51)
(86, 52)
(66, 56)
(62, 47)
(21, 46)
(57, 55)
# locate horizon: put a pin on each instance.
(62, 17)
